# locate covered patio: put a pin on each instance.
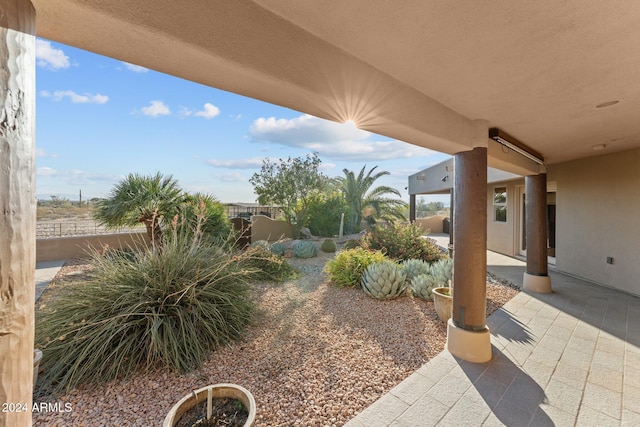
(566, 358)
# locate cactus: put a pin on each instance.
(443, 271)
(278, 248)
(384, 280)
(422, 285)
(328, 245)
(415, 267)
(305, 249)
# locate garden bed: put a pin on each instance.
(315, 355)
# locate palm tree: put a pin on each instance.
(141, 199)
(369, 204)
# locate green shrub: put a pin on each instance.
(401, 242)
(323, 213)
(351, 243)
(347, 267)
(215, 224)
(305, 249)
(168, 306)
(328, 245)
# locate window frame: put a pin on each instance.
(500, 205)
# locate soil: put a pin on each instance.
(226, 412)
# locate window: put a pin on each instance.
(500, 204)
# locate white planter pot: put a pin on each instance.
(232, 391)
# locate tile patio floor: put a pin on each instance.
(570, 358)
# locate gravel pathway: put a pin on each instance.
(316, 355)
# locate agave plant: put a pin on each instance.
(384, 280)
(278, 248)
(415, 267)
(422, 286)
(305, 249)
(442, 271)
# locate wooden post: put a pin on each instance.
(536, 278)
(17, 207)
(470, 240)
(468, 337)
(412, 207)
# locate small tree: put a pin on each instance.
(289, 184)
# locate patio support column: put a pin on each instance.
(536, 278)
(412, 207)
(17, 207)
(467, 334)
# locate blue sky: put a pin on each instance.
(99, 119)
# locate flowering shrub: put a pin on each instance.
(402, 242)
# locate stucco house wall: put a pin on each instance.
(598, 216)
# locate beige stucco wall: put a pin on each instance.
(432, 224)
(598, 206)
(71, 247)
(265, 228)
(502, 236)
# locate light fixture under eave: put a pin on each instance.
(515, 145)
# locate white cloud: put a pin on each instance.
(231, 177)
(155, 109)
(75, 98)
(251, 163)
(327, 166)
(135, 68)
(209, 111)
(76, 176)
(49, 57)
(330, 139)
(42, 153)
(45, 171)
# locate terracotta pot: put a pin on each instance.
(232, 391)
(443, 303)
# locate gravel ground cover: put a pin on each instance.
(315, 355)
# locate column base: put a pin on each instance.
(471, 346)
(538, 284)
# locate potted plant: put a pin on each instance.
(442, 270)
(443, 302)
(201, 404)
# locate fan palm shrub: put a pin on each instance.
(149, 200)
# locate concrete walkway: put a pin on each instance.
(569, 358)
(45, 272)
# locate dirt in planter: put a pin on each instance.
(225, 411)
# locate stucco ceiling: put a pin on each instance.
(431, 73)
